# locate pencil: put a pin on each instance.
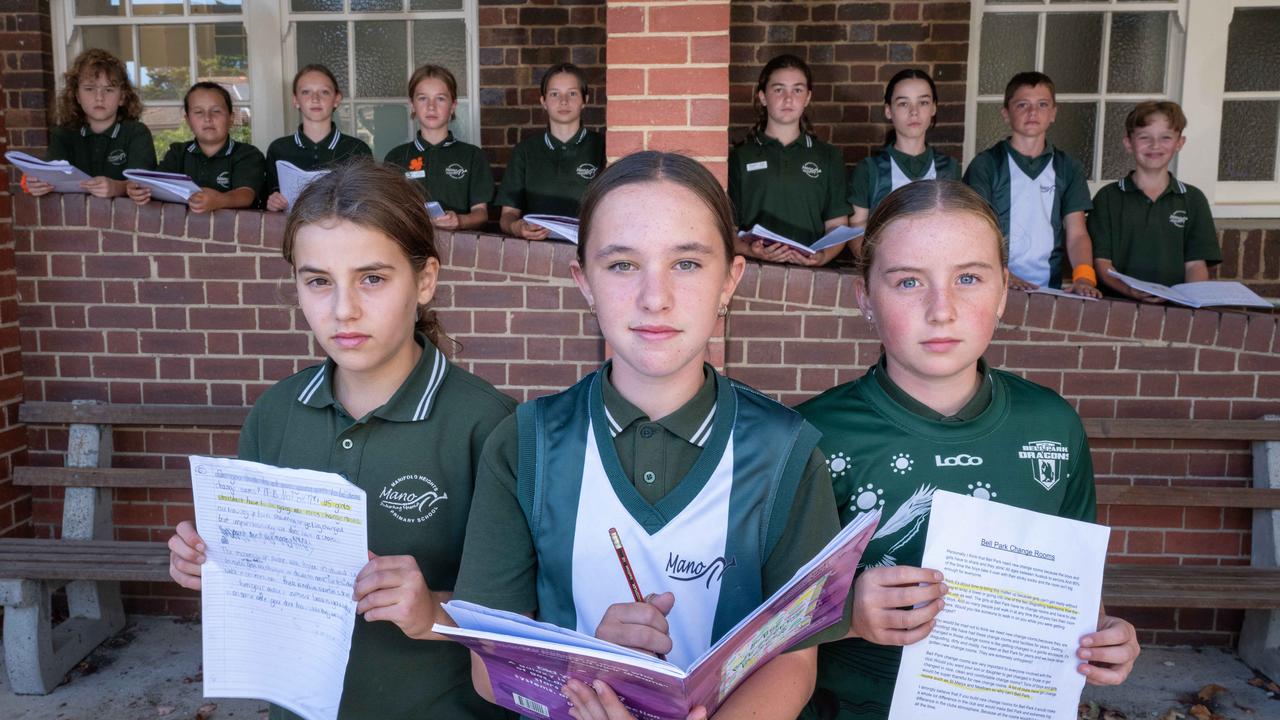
(626, 565)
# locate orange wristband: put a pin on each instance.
(23, 184)
(1084, 272)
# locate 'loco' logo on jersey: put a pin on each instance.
(586, 171)
(117, 157)
(956, 460)
(224, 179)
(684, 570)
(811, 169)
(1048, 458)
(1178, 218)
(411, 498)
(455, 171)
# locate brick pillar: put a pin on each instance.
(25, 46)
(668, 78)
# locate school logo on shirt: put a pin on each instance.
(1048, 461)
(1178, 218)
(811, 169)
(587, 171)
(686, 570)
(455, 171)
(117, 157)
(224, 179)
(412, 498)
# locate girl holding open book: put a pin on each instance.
(930, 415)
(389, 412)
(717, 492)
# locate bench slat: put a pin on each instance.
(102, 477)
(41, 559)
(1144, 428)
(1201, 496)
(1192, 586)
(122, 414)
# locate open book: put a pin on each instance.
(62, 175)
(839, 235)
(529, 661)
(293, 179)
(561, 226)
(169, 187)
(1199, 294)
(1046, 290)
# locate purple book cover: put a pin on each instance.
(527, 673)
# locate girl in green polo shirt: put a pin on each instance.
(931, 415)
(390, 413)
(911, 104)
(99, 130)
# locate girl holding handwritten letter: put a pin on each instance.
(716, 491)
(389, 412)
(932, 415)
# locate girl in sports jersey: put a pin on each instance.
(657, 445)
(911, 104)
(932, 415)
(389, 412)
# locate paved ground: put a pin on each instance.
(152, 670)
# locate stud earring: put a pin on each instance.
(724, 310)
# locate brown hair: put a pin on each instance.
(211, 87)
(925, 197)
(1028, 79)
(781, 62)
(653, 166)
(908, 74)
(323, 70)
(93, 62)
(1142, 113)
(372, 195)
(570, 69)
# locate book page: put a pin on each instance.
(1222, 292)
(1024, 588)
(1042, 290)
(293, 179)
(284, 548)
(62, 175)
(166, 187)
(561, 226)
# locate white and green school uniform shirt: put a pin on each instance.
(1031, 197)
(888, 169)
(730, 507)
(415, 458)
(1015, 442)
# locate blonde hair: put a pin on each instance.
(925, 197)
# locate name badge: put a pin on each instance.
(752, 167)
(416, 174)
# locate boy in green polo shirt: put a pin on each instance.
(548, 172)
(99, 132)
(1150, 225)
(1039, 193)
(448, 171)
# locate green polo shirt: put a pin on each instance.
(453, 173)
(124, 146)
(792, 190)
(234, 165)
(425, 439)
(1153, 240)
(867, 173)
(548, 177)
(500, 565)
(307, 155)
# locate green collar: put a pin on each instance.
(692, 422)
(913, 165)
(113, 131)
(1032, 166)
(977, 405)
(329, 141)
(805, 140)
(422, 144)
(411, 402)
(1175, 185)
(553, 143)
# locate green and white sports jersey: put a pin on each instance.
(1027, 448)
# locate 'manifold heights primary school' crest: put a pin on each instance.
(1049, 460)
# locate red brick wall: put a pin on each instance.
(27, 72)
(853, 47)
(15, 503)
(1251, 255)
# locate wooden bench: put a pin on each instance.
(1254, 588)
(86, 560)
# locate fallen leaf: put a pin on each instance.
(1210, 691)
(1200, 712)
(1114, 715)
(198, 677)
(1173, 715)
(1257, 682)
(1088, 711)
(163, 710)
(206, 711)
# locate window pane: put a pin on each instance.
(223, 57)
(316, 5)
(442, 42)
(166, 126)
(113, 8)
(213, 7)
(1073, 51)
(460, 125)
(1252, 51)
(382, 58)
(383, 126)
(1139, 48)
(325, 43)
(166, 69)
(1116, 162)
(991, 127)
(435, 4)
(1008, 47)
(115, 39)
(157, 7)
(377, 5)
(240, 129)
(1256, 120)
(1073, 132)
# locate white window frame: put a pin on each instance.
(272, 56)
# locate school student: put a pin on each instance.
(448, 171)
(931, 415)
(230, 173)
(1039, 193)
(781, 176)
(317, 142)
(1150, 224)
(911, 105)
(548, 172)
(99, 130)
(684, 462)
(389, 412)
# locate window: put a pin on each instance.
(371, 45)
